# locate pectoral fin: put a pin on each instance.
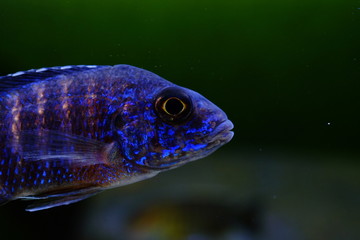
(49, 145)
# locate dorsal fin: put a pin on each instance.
(25, 77)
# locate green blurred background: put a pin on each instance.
(285, 71)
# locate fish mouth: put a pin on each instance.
(222, 134)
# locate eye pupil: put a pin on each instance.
(174, 106)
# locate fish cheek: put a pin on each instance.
(131, 136)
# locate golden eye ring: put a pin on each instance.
(173, 105)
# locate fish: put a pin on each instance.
(70, 132)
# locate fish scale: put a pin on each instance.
(69, 132)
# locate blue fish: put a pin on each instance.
(67, 133)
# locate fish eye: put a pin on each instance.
(173, 105)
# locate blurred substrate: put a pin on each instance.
(235, 196)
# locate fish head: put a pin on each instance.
(166, 126)
(188, 127)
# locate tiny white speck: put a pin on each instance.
(65, 67)
(91, 66)
(17, 74)
(329, 123)
(41, 70)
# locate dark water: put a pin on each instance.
(286, 72)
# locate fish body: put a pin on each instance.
(67, 133)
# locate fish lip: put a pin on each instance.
(222, 132)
